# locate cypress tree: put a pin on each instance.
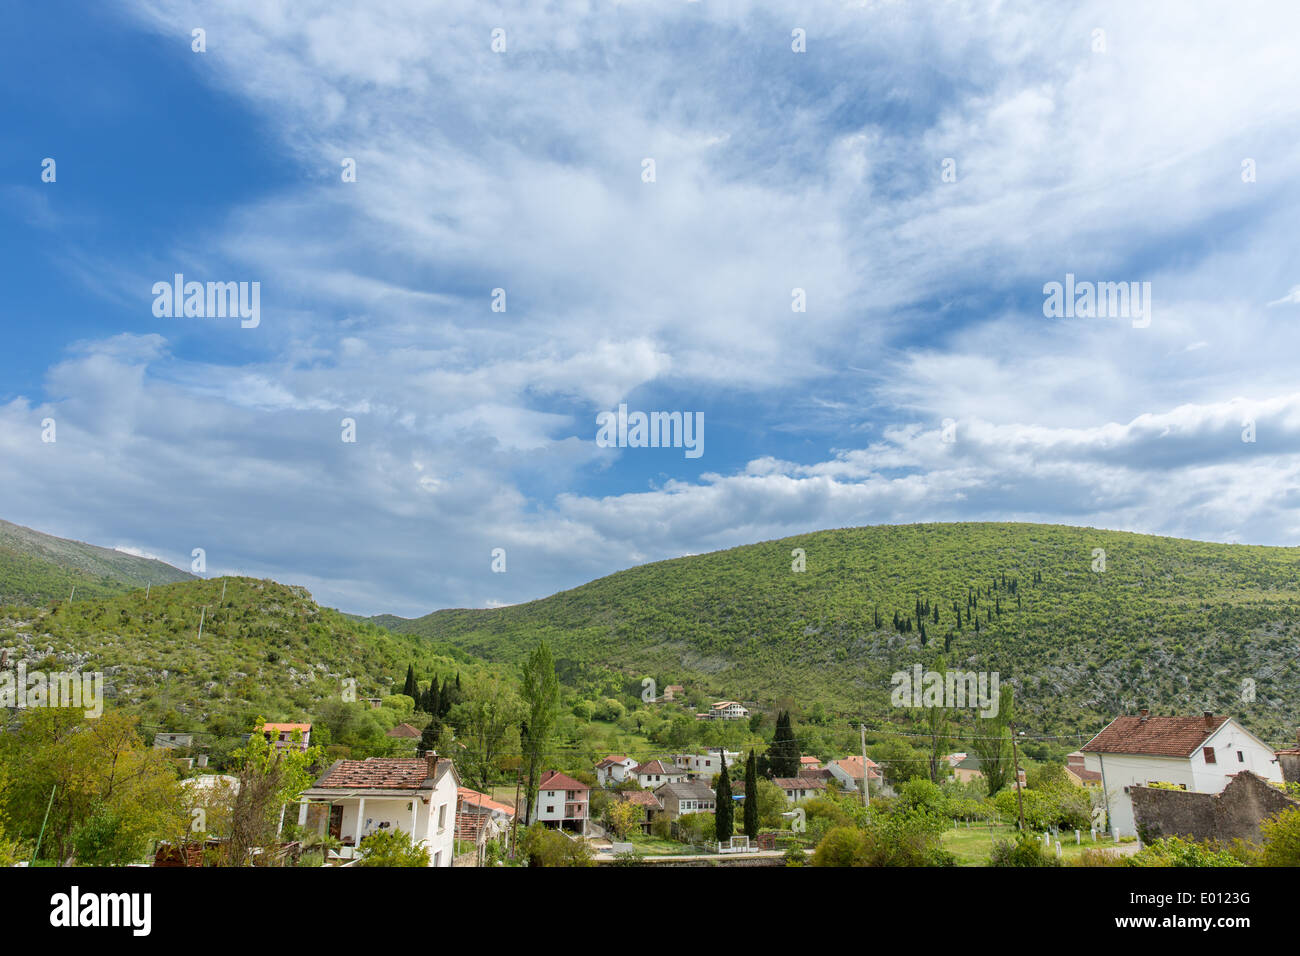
(751, 796)
(724, 810)
(410, 688)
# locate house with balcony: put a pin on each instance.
(726, 710)
(562, 802)
(282, 735)
(417, 795)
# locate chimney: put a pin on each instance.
(1209, 720)
(1143, 714)
(431, 760)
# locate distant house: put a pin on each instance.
(1289, 763)
(809, 763)
(726, 710)
(614, 769)
(282, 735)
(562, 802)
(478, 816)
(1076, 768)
(652, 773)
(705, 766)
(672, 691)
(416, 795)
(405, 732)
(643, 798)
(800, 788)
(848, 771)
(689, 796)
(966, 767)
(1199, 754)
(173, 741)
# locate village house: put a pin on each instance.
(614, 769)
(809, 763)
(643, 798)
(705, 766)
(1198, 754)
(173, 741)
(800, 788)
(1076, 770)
(479, 817)
(672, 692)
(404, 732)
(652, 773)
(725, 710)
(848, 772)
(688, 796)
(416, 795)
(1289, 762)
(282, 735)
(966, 767)
(562, 802)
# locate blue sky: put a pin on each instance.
(1114, 155)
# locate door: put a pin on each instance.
(336, 821)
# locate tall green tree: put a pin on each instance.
(540, 690)
(991, 742)
(725, 809)
(751, 796)
(783, 753)
(936, 718)
(411, 689)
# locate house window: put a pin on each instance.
(1241, 757)
(442, 817)
(550, 809)
(437, 858)
(1209, 754)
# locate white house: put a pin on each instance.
(705, 766)
(562, 802)
(614, 769)
(848, 771)
(1199, 754)
(416, 795)
(800, 788)
(653, 773)
(727, 710)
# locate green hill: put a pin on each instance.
(36, 568)
(1171, 624)
(267, 650)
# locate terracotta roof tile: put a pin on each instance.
(381, 773)
(1154, 736)
(554, 780)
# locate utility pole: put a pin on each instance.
(514, 821)
(146, 590)
(1020, 802)
(223, 589)
(73, 594)
(202, 611)
(866, 799)
(44, 821)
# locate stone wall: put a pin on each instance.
(1234, 814)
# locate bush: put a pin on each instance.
(1025, 851)
(392, 848)
(1281, 839)
(544, 847)
(1173, 851)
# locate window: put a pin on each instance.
(442, 817)
(1209, 754)
(437, 858)
(1241, 757)
(550, 809)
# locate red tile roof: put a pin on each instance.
(380, 773)
(1154, 736)
(853, 767)
(800, 783)
(471, 800)
(285, 728)
(611, 761)
(554, 780)
(403, 730)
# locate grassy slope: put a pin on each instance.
(267, 649)
(1173, 624)
(36, 567)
